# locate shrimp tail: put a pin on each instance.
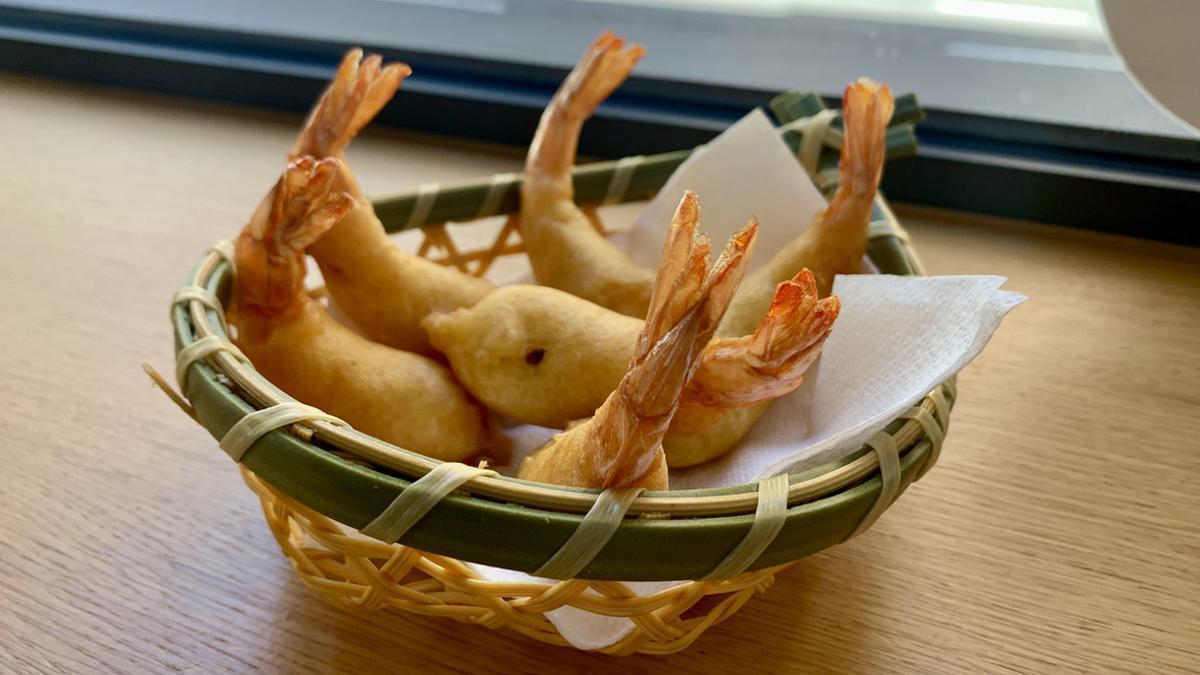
(727, 276)
(359, 90)
(866, 110)
(628, 429)
(791, 335)
(770, 363)
(682, 270)
(627, 432)
(603, 67)
(299, 209)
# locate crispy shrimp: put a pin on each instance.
(397, 396)
(739, 377)
(546, 357)
(837, 239)
(621, 445)
(385, 290)
(536, 354)
(565, 250)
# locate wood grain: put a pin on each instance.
(1059, 531)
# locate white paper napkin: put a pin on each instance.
(895, 340)
(584, 630)
(745, 172)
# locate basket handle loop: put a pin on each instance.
(259, 423)
(769, 517)
(224, 248)
(418, 499)
(889, 474)
(203, 296)
(598, 526)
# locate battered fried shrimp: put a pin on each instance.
(547, 357)
(403, 398)
(565, 250)
(739, 377)
(837, 239)
(385, 290)
(543, 356)
(621, 445)
(536, 354)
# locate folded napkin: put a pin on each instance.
(895, 340)
(745, 172)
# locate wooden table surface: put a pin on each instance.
(1059, 531)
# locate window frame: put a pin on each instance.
(1108, 181)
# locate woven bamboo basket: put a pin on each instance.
(373, 526)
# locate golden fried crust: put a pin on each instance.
(536, 354)
(400, 397)
(387, 291)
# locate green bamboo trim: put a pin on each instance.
(889, 474)
(259, 423)
(410, 506)
(520, 538)
(199, 349)
(769, 517)
(791, 105)
(887, 252)
(514, 537)
(464, 202)
(593, 533)
(813, 131)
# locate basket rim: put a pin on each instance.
(806, 486)
(824, 504)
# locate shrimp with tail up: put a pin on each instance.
(621, 445)
(837, 238)
(386, 291)
(739, 377)
(400, 397)
(565, 250)
(546, 357)
(568, 253)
